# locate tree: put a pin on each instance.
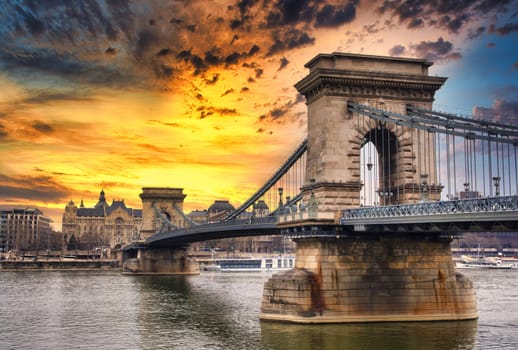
(72, 243)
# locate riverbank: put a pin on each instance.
(58, 265)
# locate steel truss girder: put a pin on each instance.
(440, 126)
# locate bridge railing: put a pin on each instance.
(461, 206)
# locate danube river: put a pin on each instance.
(107, 310)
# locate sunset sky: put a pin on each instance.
(120, 95)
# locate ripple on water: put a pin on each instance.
(106, 310)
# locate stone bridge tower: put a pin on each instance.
(335, 136)
(358, 275)
(161, 202)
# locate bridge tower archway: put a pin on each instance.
(379, 170)
(336, 136)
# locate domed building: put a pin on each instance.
(219, 210)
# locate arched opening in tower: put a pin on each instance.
(379, 167)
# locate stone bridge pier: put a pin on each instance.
(165, 261)
(360, 276)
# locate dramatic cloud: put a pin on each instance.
(30, 188)
(435, 51)
(284, 63)
(278, 114)
(502, 112)
(397, 50)
(42, 127)
(133, 93)
(449, 15)
(505, 29)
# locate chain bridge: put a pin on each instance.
(373, 196)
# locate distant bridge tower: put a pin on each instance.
(335, 136)
(157, 201)
(162, 211)
(359, 275)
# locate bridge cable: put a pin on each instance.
(400, 166)
(516, 169)
(509, 168)
(438, 170)
(272, 181)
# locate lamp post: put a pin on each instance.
(385, 197)
(467, 194)
(280, 209)
(280, 189)
(496, 182)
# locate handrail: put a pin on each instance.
(461, 206)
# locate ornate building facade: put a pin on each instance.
(112, 225)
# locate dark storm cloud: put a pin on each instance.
(173, 125)
(46, 97)
(434, 51)
(163, 71)
(213, 80)
(196, 61)
(208, 111)
(42, 127)
(289, 12)
(477, 33)
(415, 23)
(505, 29)
(245, 5)
(33, 188)
(111, 51)
(229, 91)
(284, 63)
(397, 50)
(502, 111)
(290, 39)
(446, 14)
(147, 40)
(164, 52)
(281, 114)
(23, 63)
(63, 20)
(334, 16)
(34, 25)
(76, 41)
(3, 131)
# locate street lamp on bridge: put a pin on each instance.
(496, 182)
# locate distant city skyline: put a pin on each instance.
(199, 95)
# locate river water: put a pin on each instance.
(107, 310)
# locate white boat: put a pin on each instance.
(276, 263)
(210, 267)
(467, 262)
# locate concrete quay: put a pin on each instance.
(59, 265)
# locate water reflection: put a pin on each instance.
(421, 335)
(193, 313)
